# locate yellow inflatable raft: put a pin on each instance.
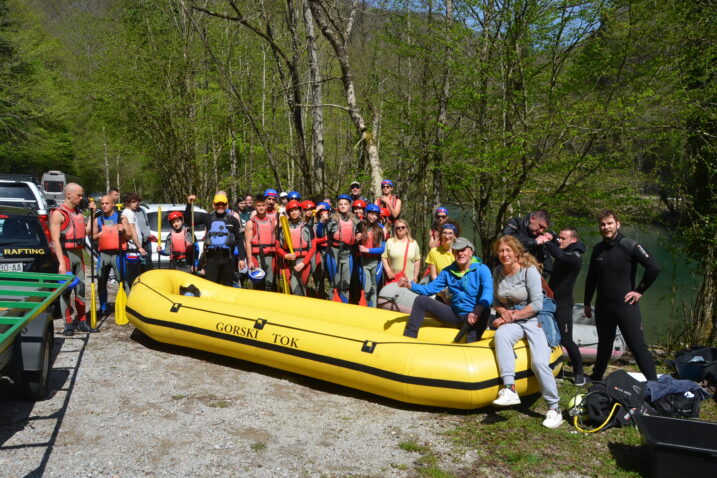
(349, 345)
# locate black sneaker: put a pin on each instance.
(84, 327)
(69, 330)
(580, 380)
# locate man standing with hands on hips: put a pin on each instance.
(613, 267)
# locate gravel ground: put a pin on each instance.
(123, 405)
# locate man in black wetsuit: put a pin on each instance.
(613, 267)
(531, 231)
(567, 250)
(223, 240)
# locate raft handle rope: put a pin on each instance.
(260, 325)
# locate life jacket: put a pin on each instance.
(219, 237)
(394, 199)
(110, 236)
(72, 229)
(298, 240)
(370, 241)
(346, 233)
(273, 215)
(264, 238)
(180, 243)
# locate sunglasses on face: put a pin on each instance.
(355, 187)
(398, 228)
(386, 186)
(220, 204)
(441, 216)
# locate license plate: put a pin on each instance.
(11, 267)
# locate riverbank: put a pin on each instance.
(123, 405)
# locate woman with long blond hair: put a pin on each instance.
(402, 257)
(518, 298)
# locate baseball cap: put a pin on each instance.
(283, 194)
(270, 193)
(356, 183)
(462, 243)
(220, 198)
(387, 181)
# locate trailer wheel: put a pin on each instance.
(34, 384)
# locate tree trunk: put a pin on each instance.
(318, 163)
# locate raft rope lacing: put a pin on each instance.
(139, 282)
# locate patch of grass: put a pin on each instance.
(178, 397)
(426, 463)
(219, 404)
(258, 446)
(412, 446)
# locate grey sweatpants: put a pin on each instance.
(505, 338)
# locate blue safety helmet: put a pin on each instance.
(325, 205)
(293, 195)
(373, 208)
(345, 196)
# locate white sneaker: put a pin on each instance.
(506, 397)
(553, 419)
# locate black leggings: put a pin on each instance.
(627, 317)
(220, 268)
(564, 318)
(445, 314)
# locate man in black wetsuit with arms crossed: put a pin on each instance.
(613, 267)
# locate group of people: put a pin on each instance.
(285, 244)
(517, 289)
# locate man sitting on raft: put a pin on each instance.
(470, 287)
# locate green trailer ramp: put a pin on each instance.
(24, 296)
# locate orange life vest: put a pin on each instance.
(298, 240)
(72, 229)
(264, 236)
(346, 233)
(180, 243)
(109, 234)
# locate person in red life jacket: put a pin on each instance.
(434, 235)
(179, 244)
(370, 248)
(272, 210)
(384, 218)
(297, 265)
(309, 211)
(340, 231)
(223, 242)
(109, 232)
(389, 200)
(68, 231)
(318, 271)
(260, 239)
(358, 207)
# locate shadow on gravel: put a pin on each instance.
(313, 383)
(16, 414)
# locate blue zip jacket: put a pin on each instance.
(475, 287)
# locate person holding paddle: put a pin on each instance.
(470, 286)
(297, 248)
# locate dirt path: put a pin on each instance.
(123, 405)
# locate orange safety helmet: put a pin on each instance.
(175, 215)
(294, 204)
(308, 205)
(385, 212)
(359, 203)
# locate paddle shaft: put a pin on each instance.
(159, 236)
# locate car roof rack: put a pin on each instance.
(19, 177)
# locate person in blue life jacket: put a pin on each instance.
(370, 248)
(340, 258)
(223, 240)
(470, 285)
(111, 240)
(179, 244)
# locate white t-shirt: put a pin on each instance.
(132, 219)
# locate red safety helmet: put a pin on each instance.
(293, 205)
(359, 203)
(175, 215)
(308, 205)
(385, 212)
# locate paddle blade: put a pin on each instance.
(362, 300)
(287, 232)
(120, 304)
(93, 307)
(336, 297)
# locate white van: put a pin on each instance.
(53, 184)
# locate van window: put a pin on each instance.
(21, 232)
(53, 186)
(16, 191)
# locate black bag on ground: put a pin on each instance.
(613, 403)
(697, 364)
(677, 405)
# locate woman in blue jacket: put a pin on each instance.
(470, 286)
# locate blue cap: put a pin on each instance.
(345, 196)
(441, 209)
(373, 208)
(325, 205)
(257, 275)
(387, 181)
(294, 195)
(271, 193)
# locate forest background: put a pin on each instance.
(497, 107)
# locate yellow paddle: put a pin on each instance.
(159, 236)
(284, 221)
(121, 299)
(93, 297)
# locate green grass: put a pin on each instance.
(259, 446)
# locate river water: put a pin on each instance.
(677, 283)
